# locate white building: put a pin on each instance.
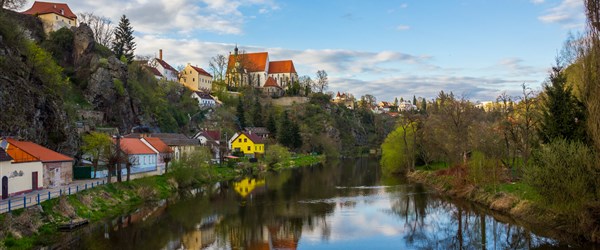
(205, 100)
(255, 68)
(166, 71)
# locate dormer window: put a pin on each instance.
(62, 12)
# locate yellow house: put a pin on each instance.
(54, 16)
(196, 78)
(248, 143)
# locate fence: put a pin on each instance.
(37, 197)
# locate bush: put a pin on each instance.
(119, 87)
(484, 170)
(563, 173)
(276, 153)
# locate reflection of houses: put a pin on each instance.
(19, 176)
(203, 235)
(179, 143)
(196, 79)
(247, 144)
(57, 168)
(54, 16)
(249, 186)
(255, 68)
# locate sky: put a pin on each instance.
(475, 48)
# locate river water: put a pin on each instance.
(342, 205)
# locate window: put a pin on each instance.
(193, 79)
(240, 140)
(248, 148)
(184, 80)
(245, 140)
(56, 17)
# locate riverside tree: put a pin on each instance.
(123, 45)
(94, 145)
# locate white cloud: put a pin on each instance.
(404, 6)
(568, 13)
(537, 1)
(402, 27)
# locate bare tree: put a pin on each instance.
(102, 27)
(130, 161)
(322, 82)
(167, 157)
(368, 100)
(218, 66)
(306, 83)
(589, 54)
(12, 4)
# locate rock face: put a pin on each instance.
(106, 79)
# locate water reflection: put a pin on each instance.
(344, 206)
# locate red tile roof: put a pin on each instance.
(42, 153)
(253, 137)
(165, 64)
(277, 67)
(134, 146)
(159, 145)
(212, 134)
(271, 83)
(201, 71)
(154, 71)
(61, 9)
(252, 62)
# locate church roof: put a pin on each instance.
(252, 62)
(60, 9)
(286, 66)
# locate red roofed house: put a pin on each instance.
(272, 89)
(196, 79)
(54, 16)
(163, 152)
(247, 143)
(167, 72)
(141, 156)
(57, 168)
(19, 177)
(255, 69)
(205, 100)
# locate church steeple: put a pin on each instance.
(235, 51)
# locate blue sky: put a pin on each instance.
(475, 48)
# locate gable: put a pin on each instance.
(252, 62)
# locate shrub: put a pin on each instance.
(563, 173)
(484, 170)
(119, 87)
(276, 153)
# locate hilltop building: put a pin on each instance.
(161, 69)
(54, 16)
(196, 79)
(255, 69)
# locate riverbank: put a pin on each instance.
(522, 203)
(38, 226)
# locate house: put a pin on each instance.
(54, 16)
(166, 71)
(142, 157)
(212, 140)
(205, 100)
(179, 143)
(272, 89)
(19, 176)
(406, 106)
(262, 132)
(247, 143)
(57, 168)
(345, 99)
(254, 69)
(384, 106)
(196, 79)
(163, 152)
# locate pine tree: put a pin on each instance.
(295, 139)
(257, 118)
(424, 106)
(123, 45)
(283, 130)
(396, 101)
(241, 113)
(414, 100)
(563, 115)
(272, 125)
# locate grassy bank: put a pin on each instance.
(37, 226)
(520, 201)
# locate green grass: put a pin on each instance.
(519, 189)
(433, 166)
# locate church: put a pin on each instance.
(255, 69)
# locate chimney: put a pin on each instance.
(160, 54)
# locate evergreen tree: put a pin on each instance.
(295, 139)
(284, 136)
(396, 101)
(424, 106)
(563, 115)
(414, 100)
(240, 113)
(272, 125)
(257, 118)
(123, 45)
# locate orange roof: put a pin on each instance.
(61, 9)
(252, 62)
(201, 71)
(281, 67)
(42, 153)
(158, 144)
(135, 146)
(271, 83)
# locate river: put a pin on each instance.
(343, 205)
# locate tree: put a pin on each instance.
(102, 27)
(414, 100)
(130, 160)
(271, 124)
(240, 113)
(12, 4)
(288, 132)
(322, 81)
(257, 116)
(167, 157)
(218, 66)
(123, 44)
(424, 106)
(589, 54)
(396, 101)
(94, 145)
(368, 100)
(306, 83)
(563, 115)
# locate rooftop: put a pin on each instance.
(42, 153)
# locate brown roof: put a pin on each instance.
(271, 83)
(4, 156)
(212, 134)
(201, 71)
(171, 139)
(152, 70)
(61, 9)
(135, 146)
(42, 153)
(253, 137)
(257, 130)
(204, 95)
(158, 144)
(286, 66)
(165, 64)
(252, 62)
